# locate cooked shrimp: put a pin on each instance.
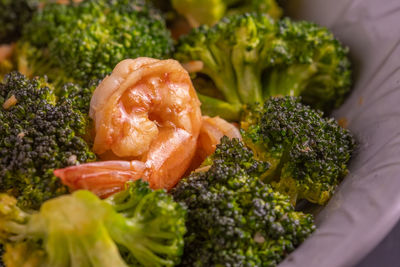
(211, 132)
(102, 178)
(146, 111)
(6, 51)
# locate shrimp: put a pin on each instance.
(211, 132)
(6, 51)
(147, 121)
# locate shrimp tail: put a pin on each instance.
(102, 178)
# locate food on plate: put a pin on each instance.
(147, 119)
(308, 153)
(250, 57)
(137, 226)
(234, 219)
(83, 41)
(14, 14)
(41, 129)
(209, 12)
(109, 161)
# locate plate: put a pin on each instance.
(366, 205)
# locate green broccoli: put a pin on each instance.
(307, 152)
(40, 131)
(234, 219)
(209, 12)
(78, 97)
(250, 57)
(13, 16)
(80, 42)
(136, 227)
(317, 68)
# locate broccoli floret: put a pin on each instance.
(78, 97)
(33, 61)
(250, 57)
(210, 12)
(307, 152)
(136, 227)
(233, 40)
(234, 219)
(13, 16)
(317, 67)
(232, 152)
(83, 41)
(39, 132)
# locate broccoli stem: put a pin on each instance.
(220, 70)
(136, 241)
(249, 84)
(217, 107)
(224, 80)
(79, 248)
(290, 81)
(248, 69)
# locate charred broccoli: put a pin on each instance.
(250, 57)
(209, 12)
(307, 152)
(234, 219)
(13, 16)
(80, 42)
(136, 227)
(40, 131)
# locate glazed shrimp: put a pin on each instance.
(211, 132)
(147, 120)
(6, 51)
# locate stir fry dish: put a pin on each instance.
(165, 133)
